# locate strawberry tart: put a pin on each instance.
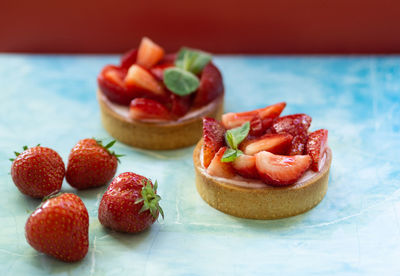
(261, 165)
(154, 100)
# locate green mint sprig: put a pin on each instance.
(233, 138)
(182, 79)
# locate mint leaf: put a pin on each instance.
(235, 136)
(230, 155)
(192, 60)
(180, 82)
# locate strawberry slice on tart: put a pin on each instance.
(182, 87)
(262, 170)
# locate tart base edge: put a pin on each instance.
(155, 136)
(266, 203)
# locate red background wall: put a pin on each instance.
(219, 26)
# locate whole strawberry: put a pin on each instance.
(59, 228)
(90, 164)
(130, 203)
(37, 171)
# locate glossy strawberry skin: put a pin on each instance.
(274, 143)
(129, 58)
(218, 168)
(266, 114)
(211, 86)
(316, 146)
(116, 91)
(118, 210)
(180, 105)
(142, 108)
(59, 228)
(245, 165)
(280, 170)
(296, 125)
(90, 165)
(213, 139)
(38, 172)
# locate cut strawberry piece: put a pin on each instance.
(231, 120)
(139, 78)
(296, 125)
(129, 58)
(293, 124)
(213, 139)
(111, 83)
(211, 85)
(158, 70)
(256, 126)
(149, 53)
(142, 108)
(298, 144)
(274, 143)
(245, 165)
(281, 170)
(218, 168)
(316, 146)
(180, 105)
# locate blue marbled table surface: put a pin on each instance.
(353, 231)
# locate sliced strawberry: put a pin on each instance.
(149, 53)
(298, 144)
(211, 86)
(316, 146)
(293, 124)
(129, 58)
(139, 78)
(142, 108)
(245, 165)
(180, 105)
(256, 126)
(296, 125)
(274, 143)
(231, 120)
(158, 70)
(281, 170)
(111, 83)
(213, 139)
(218, 168)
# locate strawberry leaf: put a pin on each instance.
(150, 199)
(233, 138)
(180, 82)
(192, 60)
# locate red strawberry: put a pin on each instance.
(232, 120)
(180, 105)
(138, 78)
(211, 86)
(111, 83)
(218, 168)
(274, 143)
(59, 228)
(129, 58)
(316, 146)
(256, 126)
(37, 171)
(142, 108)
(213, 139)
(281, 170)
(298, 144)
(149, 53)
(158, 70)
(130, 203)
(293, 124)
(296, 125)
(245, 165)
(90, 164)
